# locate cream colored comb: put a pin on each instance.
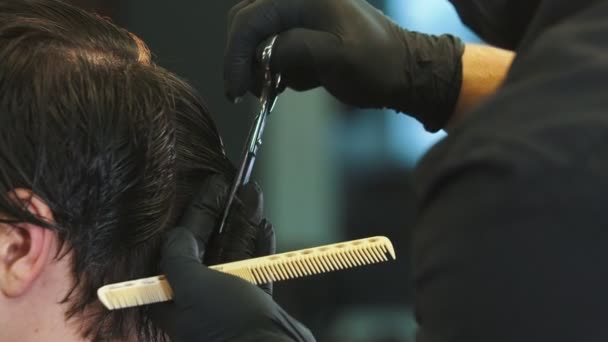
(258, 271)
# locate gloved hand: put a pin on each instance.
(353, 50)
(209, 305)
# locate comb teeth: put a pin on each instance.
(312, 261)
(258, 271)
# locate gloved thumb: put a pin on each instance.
(179, 247)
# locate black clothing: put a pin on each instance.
(512, 242)
(499, 22)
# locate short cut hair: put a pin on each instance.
(113, 143)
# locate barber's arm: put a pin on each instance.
(363, 58)
(213, 306)
(483, 70)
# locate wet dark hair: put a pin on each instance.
(113, 143)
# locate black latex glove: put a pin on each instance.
(246, 233)
(209, 305)
(353, 50)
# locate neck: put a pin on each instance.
(39, 315)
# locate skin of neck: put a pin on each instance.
(38, 314)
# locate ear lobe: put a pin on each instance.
(25, 248)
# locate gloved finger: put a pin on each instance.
(237, 242)
(265, 240)
(202, 215)
(235, 9)
(300, 56)
(250, 26)
(265, 245)
(303, 57)
(251, 200)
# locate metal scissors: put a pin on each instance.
(270, 91)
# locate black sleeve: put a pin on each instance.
(511, 245)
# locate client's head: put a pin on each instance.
(100, 150)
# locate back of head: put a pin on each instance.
(104, 137)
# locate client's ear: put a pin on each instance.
(25, 248)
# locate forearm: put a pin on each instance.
(483, 70)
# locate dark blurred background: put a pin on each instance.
(329, 172)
